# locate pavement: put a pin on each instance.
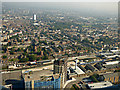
(69, 85)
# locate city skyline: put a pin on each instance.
(83, 8)
(60, 45)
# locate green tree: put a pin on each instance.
(11, 52)
(4, 48)
(4, 56)
(93, 79)
(38, 58)
(32, 57)
(24, 59)
(44, 57)
(14, 60)
(18, 49)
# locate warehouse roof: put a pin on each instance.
(82, 68)
(112, 62)
(100, 85)
(77, 70)
(89, 67)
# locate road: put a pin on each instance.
(69, 85)
(78, 79)
(81, 57)
(49, 65)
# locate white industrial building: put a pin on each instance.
(100, 85)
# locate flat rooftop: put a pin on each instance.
(78, 70)
(100, 85)
(112, 62)
(35, 75)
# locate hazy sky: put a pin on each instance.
(60, 0)
(97, 8)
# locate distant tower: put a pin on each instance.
(60, 67)
(34, 17)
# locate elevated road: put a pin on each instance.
(81, 57)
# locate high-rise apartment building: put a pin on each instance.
(34, 17)
(60, 67)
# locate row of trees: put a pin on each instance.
(32, 57)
